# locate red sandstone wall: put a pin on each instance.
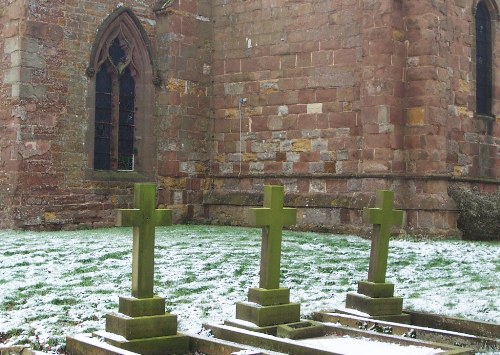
(184, 45)
(55, 186)
(345, 98)
(52, 191)
(302, 83)
(324, 86)
(11, 112)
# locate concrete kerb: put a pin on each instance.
(88, 344)
(420, 332)
(295, 347)
(18, 350)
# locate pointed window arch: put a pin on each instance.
(121, 100)
(484, 59)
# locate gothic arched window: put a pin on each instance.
(484, 53)
(121, 103)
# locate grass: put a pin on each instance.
(59, 283)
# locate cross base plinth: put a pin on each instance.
(139, 307)
(376, 290)
(381, 308)
(266, 297)
(265, 310)
(263, 316)
(142, 326)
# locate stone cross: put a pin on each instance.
(383, 217)
(144, 217)
(272, 217)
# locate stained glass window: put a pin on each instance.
(114, 110)
(483, 60)
(103, 119)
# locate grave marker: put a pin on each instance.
(272, 217)
(142, 325)
(269, 308)
(383, 217)
(375, 297)
(144, 218)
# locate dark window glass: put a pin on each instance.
(483, 60)
(116, 53)
(126, 125)
(114, 111)
(103, 127)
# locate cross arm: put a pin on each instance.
(163, 217)
(397, 217)
(128, 217)
(259, 217)
(289, 216)
(372, 215)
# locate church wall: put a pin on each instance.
(53, 189)
(343, 99)
(184, 48)
(11, 112)
(334, 100)
(322, 82)
(55, 185)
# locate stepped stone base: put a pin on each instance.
(171, 344)
(376, 290)
(263, 316)
(142, 326)
(266, 297)
(375, 306)
(376, 301)
(265, 310)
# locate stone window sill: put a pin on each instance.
(487, 118)
(103, 175)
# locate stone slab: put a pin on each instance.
(238, 323)
(375, 306)
(141, 327)
(266, 297)
(300, 330)
(81, 344)
(268, 315)
(376, 290)
(214, 346)
(173, 344)
(140, 307)
(298, 347)
(402, 318)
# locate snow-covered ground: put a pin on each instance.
(59, 283)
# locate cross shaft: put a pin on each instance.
(272, 217)
(383, 217)
(144, 218)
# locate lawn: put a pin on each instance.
(58, 283)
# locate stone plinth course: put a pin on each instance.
(375, 297)
(268, 306)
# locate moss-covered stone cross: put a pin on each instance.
(383, 217)
(144, 218)
(272, 217)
